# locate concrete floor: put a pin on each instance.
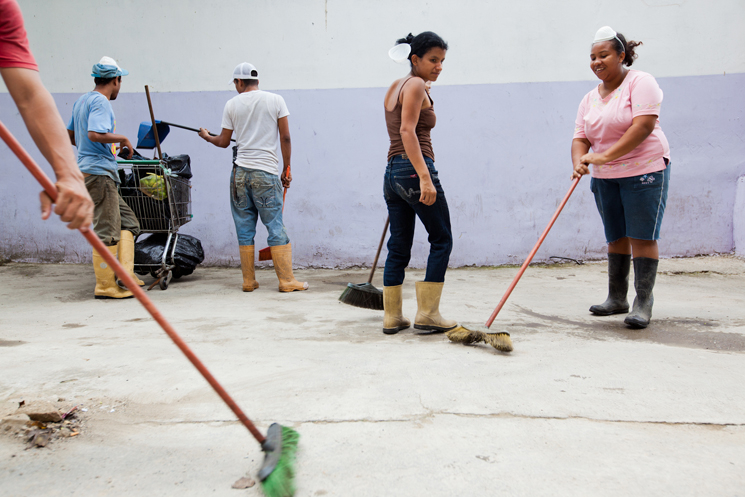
(582, 406)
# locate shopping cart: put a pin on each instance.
(161, 200)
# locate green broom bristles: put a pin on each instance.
(281, 481)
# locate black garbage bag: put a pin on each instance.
(180, 165)
(149, 251)
(135, 154)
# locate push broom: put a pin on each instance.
(365, 295)
(280, 443)
(501, 341)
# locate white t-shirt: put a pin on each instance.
(253, 116)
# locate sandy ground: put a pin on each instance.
(582, 406)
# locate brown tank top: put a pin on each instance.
(427, 121)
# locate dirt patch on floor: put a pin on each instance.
(79, 296)
(22, 269)
(11, 343)
(691, 333)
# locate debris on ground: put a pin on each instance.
(244, 482)
(40, 410)
(38, 423)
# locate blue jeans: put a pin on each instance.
(255, 193)
(401, 191)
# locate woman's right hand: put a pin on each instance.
(580, 169)
(429, 193)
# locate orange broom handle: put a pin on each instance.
(284, 195)
(99, 247)
(532, 254)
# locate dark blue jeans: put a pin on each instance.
(401, 191)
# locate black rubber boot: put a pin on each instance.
(619, 266)
(645, 273)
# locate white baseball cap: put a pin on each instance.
(244, 70)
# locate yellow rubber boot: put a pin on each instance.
(127, 255)
(428, 313)
(393, 318)
(106, 287)
(282, 256)
(247, 268)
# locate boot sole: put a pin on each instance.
(104, 297)
(436, 329)
(609, 313)
(636, 324)
(393, 331)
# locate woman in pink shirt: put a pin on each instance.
(630, 155)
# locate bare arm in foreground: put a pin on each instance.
(44, 123)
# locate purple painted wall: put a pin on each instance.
(502, 152)
(738, 219)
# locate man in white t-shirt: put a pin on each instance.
(259, 120)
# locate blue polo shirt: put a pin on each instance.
(93, 112)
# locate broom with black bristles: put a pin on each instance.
(277, 473)
(365, 295)
(469, 335)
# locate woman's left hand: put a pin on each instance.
(593, 158)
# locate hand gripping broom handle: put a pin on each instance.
(532, 254)
(380, 246)
(99, 247)
(284, 194)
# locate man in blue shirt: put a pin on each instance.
(92, 130)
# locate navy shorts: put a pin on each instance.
(632, 207)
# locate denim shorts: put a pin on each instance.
(632, 207)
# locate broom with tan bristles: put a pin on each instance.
(469, 335)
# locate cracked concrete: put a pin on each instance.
(582, 406)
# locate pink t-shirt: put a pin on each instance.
(603, 121)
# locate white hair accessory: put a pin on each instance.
(400, 52)
(606, 33)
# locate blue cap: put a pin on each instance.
(107, 68)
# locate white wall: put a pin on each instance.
(193, 45)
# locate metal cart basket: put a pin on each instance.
(161, 201)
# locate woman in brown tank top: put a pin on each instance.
(412, 188)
